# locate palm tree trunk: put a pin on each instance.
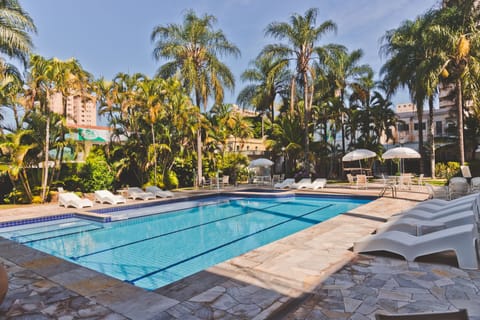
(431, 139)
(459, 101)
(420, 133)
(292, 95)
(306, 113)
(154, 156)
(45, 164)
(199, 153)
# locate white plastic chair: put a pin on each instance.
(475, 184)
(350, 179)
(457, 188)
(461, 239)
(437, 192)
(362, 181)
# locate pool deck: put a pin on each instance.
(312, 274)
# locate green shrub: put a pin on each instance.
(448, 170)
(96, 174)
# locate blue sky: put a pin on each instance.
(111, 36)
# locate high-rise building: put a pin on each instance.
(80, 110)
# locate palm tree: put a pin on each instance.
(193, 50)
(269, 77)
(15, 26)
(405, 53)
(458, 23)
(301, 35)
(149, 93)
(47, 77)
(342, 69)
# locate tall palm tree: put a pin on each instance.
(302, 35)
(150, 94)
(269, 78)
(47, 77)
(193, 50)
(343, 69)
(15, 28)
(458, 22)
(406, 52)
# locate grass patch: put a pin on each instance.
(9, 206)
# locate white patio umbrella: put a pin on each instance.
(260, 162)
(357, 155)
(401, 153)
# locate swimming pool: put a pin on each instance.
(158, 249)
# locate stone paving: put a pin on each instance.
(312, 274)
(376, 284)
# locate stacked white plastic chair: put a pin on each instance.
(457, 187)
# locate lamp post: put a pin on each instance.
(283, 163)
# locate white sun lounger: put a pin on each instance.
(137, 193)
(105, 196)
(316, 184)
(70, 199)
(301, 184)
(159, 192)
(284, 184)
(440, 212)
(460, 239)
(420, 226)
(435, 204)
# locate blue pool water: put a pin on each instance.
(155, 250)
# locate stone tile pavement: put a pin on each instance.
(309, 275)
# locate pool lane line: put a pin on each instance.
(250, 210)
(61, 235)
(223, 245)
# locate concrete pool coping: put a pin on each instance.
(251, 286)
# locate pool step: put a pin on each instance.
(52, 231)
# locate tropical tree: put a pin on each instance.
(269, 78)
(343, 70)
(47, 77)
(14, 148)
(458, 23)
(405, 52)
(301, 35)
(193, 50)
(16, 26)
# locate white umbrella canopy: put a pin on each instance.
(359, 154)
(401, 153)
(260, 162)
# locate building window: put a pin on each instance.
(438, 128)
(402, 126)
(415, 126)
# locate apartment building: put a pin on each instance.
(80, 111)
(407, 128)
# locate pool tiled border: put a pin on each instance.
(15, 223)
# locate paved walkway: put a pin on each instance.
(312, 274)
